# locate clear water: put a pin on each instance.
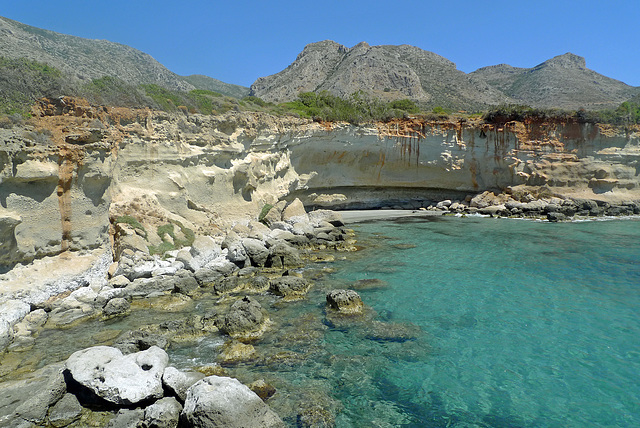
(498, 323)
(524, 324)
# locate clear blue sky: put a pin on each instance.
(238, 41)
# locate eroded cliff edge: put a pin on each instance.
(73, 169)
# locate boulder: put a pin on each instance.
(283, 255)
(288, 286)
(294, 211)
(164, 413)
(318, 216)
(214, 270)
(116, 306)
(256, 250)
(225, 402)
(35, 407)
(303, 228)
(274, 214)
(65, 411)
(345, 301)
(116, 378)
(556, 216)
(179, 382)
(139, 340)
(245, 318)
(127, 418)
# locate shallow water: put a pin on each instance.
(471, 322)
(528, 323)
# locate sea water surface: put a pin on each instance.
(470, 322)
(523, 323)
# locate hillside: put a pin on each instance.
(563, 81)
(211, 84)
(82, 60)
(387, 72)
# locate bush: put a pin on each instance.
(131, 221)
(23, 81)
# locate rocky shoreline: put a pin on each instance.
(552, 208)
(131, 382)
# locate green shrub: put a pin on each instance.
(263, 213)
(131, 221)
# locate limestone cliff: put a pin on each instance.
(74, 169)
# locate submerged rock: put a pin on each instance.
(263, 389)
(225, 402)
(235, 352)
(345, 301)
(116, 378)
(289, 286)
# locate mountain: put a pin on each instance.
(563, 81)
(393, 72)
(84, 59)
(211, 84)
(388, 72)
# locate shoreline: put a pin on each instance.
(360, 216)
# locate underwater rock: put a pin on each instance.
(369, 284)
(288, 286)
(35, 406)
(138, 340)
(263, 389)
(235, 352)
(225, 402)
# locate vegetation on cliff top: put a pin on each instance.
(23, 81)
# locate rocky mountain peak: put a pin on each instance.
(567, 60)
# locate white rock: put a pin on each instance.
(84, 295)
(120, 379)
(233, 404)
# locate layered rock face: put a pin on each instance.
(399, 162)
(74, 170)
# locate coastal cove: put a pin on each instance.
(468, 321)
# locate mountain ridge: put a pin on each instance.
(405, 71)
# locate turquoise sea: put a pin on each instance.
(522, 324)
(470, 322)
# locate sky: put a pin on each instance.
(237, 41)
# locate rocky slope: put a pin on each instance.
(563, 81)
(394, 72)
